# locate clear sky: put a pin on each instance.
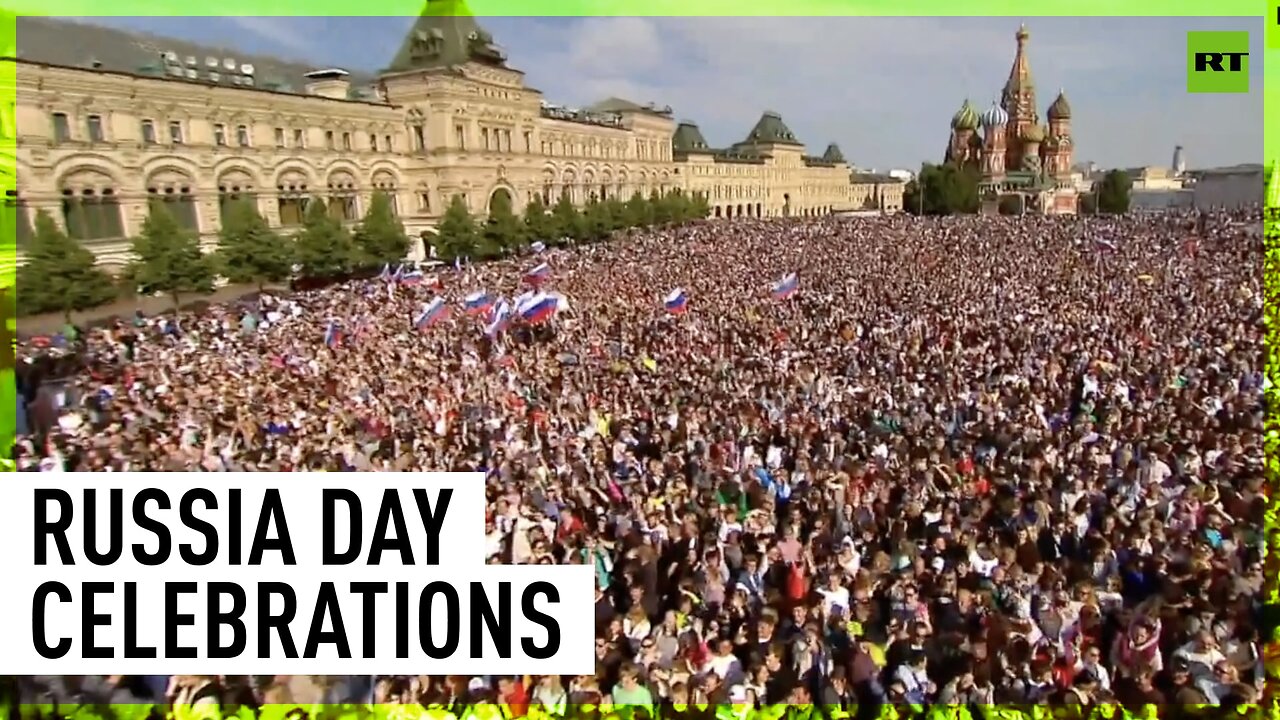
(884, 88)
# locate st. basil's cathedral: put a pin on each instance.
(1016, 155)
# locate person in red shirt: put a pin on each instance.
(512, 693)
(568, 526)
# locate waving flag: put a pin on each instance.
(540, 308)
(538, 247)
(412, 277)
(386, 272)
(499, 319)
(478, 303)
(333, 334)
(786, 287)
(432, 313)
(538, 275)
(1104, 244)
(676, 303)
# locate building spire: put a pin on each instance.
(1020, 73)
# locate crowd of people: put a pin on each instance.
(970, 461)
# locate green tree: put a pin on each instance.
(569, 222)
(457, 235)
(503, 231)
(323, 247)
(639, 211)
(663, 213)
(380, 237)
(597, 221)
(617, 210)
(942, 190)
(168, 259)
(700, 206)
(539, 226)
(1088, 204)
(249, 251)
(1114, 192)
(60, 274)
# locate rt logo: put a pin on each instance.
(1217, 62)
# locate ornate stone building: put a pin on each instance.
(1015, 153)
(107, 121)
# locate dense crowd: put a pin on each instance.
(970, 461)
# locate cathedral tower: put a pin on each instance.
(966, 144)
(1019, 100)
(995, 122)
(1058, 146)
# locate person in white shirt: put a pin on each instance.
(1202, 655)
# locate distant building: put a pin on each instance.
(1238, 186)
(1179, 161)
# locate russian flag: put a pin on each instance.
(432, 313)
(537, 275)
(499, 319)
(538, 247)
(478, 302)
(1105, 244)
(333, 334)
(676, 303)
(413, 277)
(540, 309)
(786, 287)
(386, 272)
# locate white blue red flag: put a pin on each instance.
(499, 319)
(676, 302)
(538, 275)
(540, 308)
(786, 287)
(333, 334)
(432, 313)
(478, 302)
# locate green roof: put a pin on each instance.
(833, 154)
(446, 34)
(688, 138)
(770, 130)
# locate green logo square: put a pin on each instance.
(1273, 25)
(1217, 62)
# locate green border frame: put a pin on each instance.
(1270, 707)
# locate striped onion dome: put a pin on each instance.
(966, 118)
(995, 116)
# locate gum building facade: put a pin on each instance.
(107, 122)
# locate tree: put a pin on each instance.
(942, 190)
(617, 212)
(639, 211)
(503, 231)
(662, 210)
(168, 259)
(457, 235)
(700, 206)
(569, 222)
(380, 237)
(60, 274)
(249, 251)
(597, 222)
(1088, 204)
(539, 226)
(323, 247)
(1113, 192)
